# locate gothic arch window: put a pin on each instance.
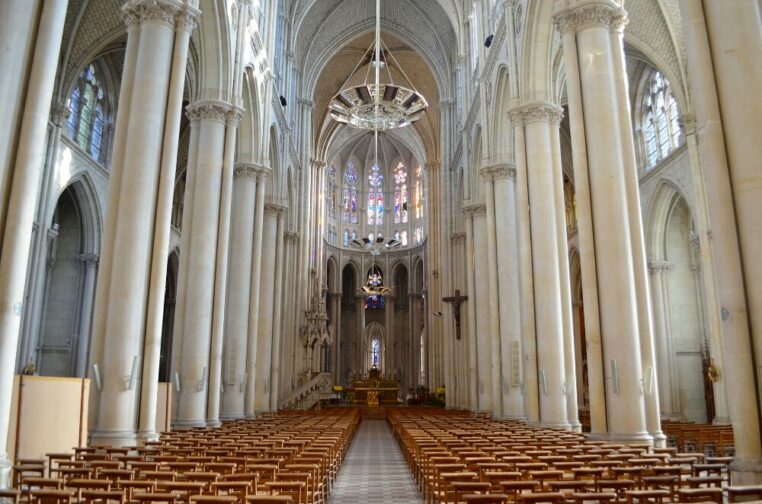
(345, 240)
(375, 353)
(400, 194)
(419, 192)
(375, 196)
(87, 117)
(660, 119)
(350, 195)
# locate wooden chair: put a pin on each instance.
(712, 494)
(50, 496)
(734, 492)
(601, 497)
(536, 497)
(646, 496)
(103, 496)
(270, 499)
(10, 494)
(485, 498)
(166, 497)
(214, 499)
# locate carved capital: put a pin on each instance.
(498, 171)
(476, 210)
(594, 13)
(245, 170)
(273, 209)
(209, 111)
(136, 12)
(187, 19)
(657, 267)
(688, 122)
(88, 258)
(458, 237)
(234, 116)
(537, 112)
(292, 236)
(59, 114)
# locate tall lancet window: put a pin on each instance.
(87, 105)
(375, 196)
(660, 119)
(400, 194)
(375, 353)
(350, 195)
(418, 193)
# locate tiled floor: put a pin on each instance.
(374, 471)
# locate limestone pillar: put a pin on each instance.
(359, 359)
(493, 286)
(89, 264)
(335, 298)
(502, 177)
(392, 342)
(265, 324)
(540, 121)
(30, 154)
(530, 386)
(658, 270)
(256, 262)
(275, 361)
(239, 290)
(121, 312)
(738, 371)
(618, 241)
(477, 214)
(162, 225)
(201, 258)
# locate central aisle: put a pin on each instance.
(374, 471)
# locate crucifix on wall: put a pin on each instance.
(456, 301)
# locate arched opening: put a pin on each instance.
(348, 337)
(168, 320)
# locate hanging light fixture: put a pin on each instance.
(377, 106)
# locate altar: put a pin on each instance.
(373, 391)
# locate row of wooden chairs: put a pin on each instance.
(459, 457)
(289, 457)
(703, 438)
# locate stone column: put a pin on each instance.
(539, 120)
(90, 266)
(277, 313)
(121, 311)
(200, 258)
(221, 269)
(265, 324)
(477, 214)
(391, 334)
(617, 239)
(592, 321)
(504, 176)
(658, 270)
(738, 371)
(335, 308)
(256, 262)
(359, 365)
(30, 154)
(239, 290)
(162, 225)
(493, 285)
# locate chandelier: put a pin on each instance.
(375, 286)
(377, 106)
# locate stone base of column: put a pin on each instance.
(514, 418)
(147, 435)
(576, 426)
(721, 421)
(5, 470)
(225, 417)
(746, 471)
(188, 424)
(213, 423)
(113, 438)
(630, 438)
(250, 416)
(660, 439)
(555, 425)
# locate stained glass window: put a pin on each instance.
(87, 117)
(375, 353)
(346, 238)
(418, 192)
(350, 195)
(418, 235)
(660, 120)
(375, 196)
(403, 239)
(400, 194)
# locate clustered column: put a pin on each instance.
(540, 122)
(24, 179)
(591, 32)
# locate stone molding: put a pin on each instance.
(211, 110)
(244, 170)
(187, 19)
(273, 209)
(476, 210)
(234, 116)
(656, 267)
(688, 122)
(88, 258)
(537, 112)
(136, 12)
(457, 237)
(59, 114)
(291, 235)
(498, 171)
(594, 13)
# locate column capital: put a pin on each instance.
(432, 165)
(537, 111)
(475, 210)
(245, 170)
(458, 237)
(234, 116)
(498, 171)
(187, 19)
(136, 12)
(656, 267)
(305, 102)
(292, 236)
(274, 209)
(59, 113)
(689, 123)
(209, 110)
(590, 13)
(88, 258)
(317, 163)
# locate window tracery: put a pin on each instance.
(350, 195)
(400, 194)
(87, 105)
(375, 196)
(660, 120)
